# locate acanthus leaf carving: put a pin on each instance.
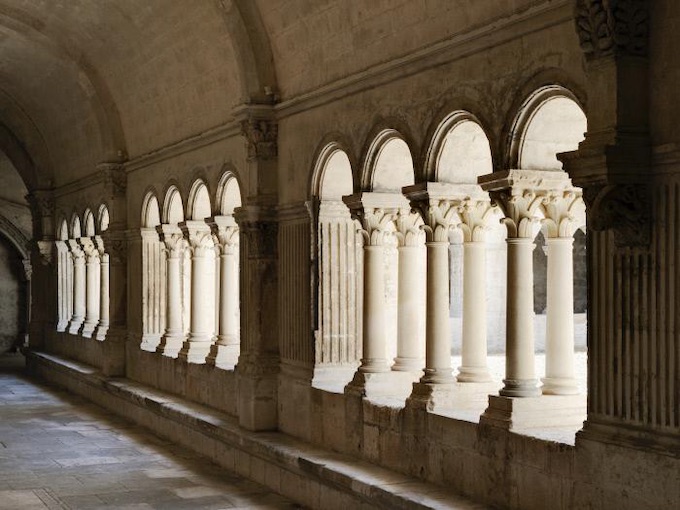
(612, 27)
(261, 136)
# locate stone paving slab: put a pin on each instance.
(59, 452)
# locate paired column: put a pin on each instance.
(202, 322)
(93, 276)
(174, 336)
(64, 291)
(78, 293)
(226, 349)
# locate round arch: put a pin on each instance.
(103, 218)
(551, 120)
(199, 206)
(333, 175)
(89, 224)
(151, 216)
(173, 210)
(75, 227)
(389, 163)
(228, 194)
(460, 150)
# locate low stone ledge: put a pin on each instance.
(310, 475)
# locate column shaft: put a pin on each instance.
(560, 376)
(93, 275)
(104, 298)
(520, 379)
(78, 292)
(374, 331)
(229, 297)
(438, 329)
(409, 357)
(474, 343)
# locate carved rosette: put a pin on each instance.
(612, 27)
(261, 137)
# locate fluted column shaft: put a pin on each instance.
(560, 377)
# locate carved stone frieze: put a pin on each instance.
(623, 208)
(612, 27)
(261, 136)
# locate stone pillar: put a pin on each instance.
(104, 315)
(174, 336)
(153, 292)
(116, 243)
(64, 267)
(474, 367)
(225, 352)
(79, 283)
(92, 292)
(202, 322)
(377, 213)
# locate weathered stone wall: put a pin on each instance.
(12, 296)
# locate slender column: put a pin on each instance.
(93, 276)
(78, 287)
(104, 319)
(63, 290)
(174, 336)
(409, 357)
(202, 323)
(474, 349)
(560, 378)
(520, 379)
(438, 329)
(226, 350)
(374, 357)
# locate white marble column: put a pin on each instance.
(104, 308)
(92, 295)
(226, 349)
(78, 287)
(202, 322)
(174, 336)
(409, 348)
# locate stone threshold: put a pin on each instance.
(310, 475)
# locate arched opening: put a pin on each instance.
(104, 219)
(392, 165)
(229, 196)
(173, 210)
(90, 225)
(75, 227)
(151, 217)
(199, 201)
(338, 273)
(13, 296)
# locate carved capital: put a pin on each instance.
(612, 27)
(623, 208)
(28, 268)
(409, 228)
(114, 179)
(474, 215)
(564, 212)
(261, 136)
(116, 247)
(89, 248)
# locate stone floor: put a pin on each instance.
(57, 451)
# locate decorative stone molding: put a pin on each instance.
(114, 179)
(612, 27)
(377, 213)
(261, 136)
(623, 208)
(564, 211)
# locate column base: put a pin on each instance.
(524, 413)
(473, 375)
(223, 356)
(437, 376)
(451, 396)
(74, 326)
(170, 345)
(559, 386)
(413, 365)
(520, 388)
(380, 384)
(150, 343)
(194, 351)
(87, 329)
(102, 330)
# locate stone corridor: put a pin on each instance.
(59, 452)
